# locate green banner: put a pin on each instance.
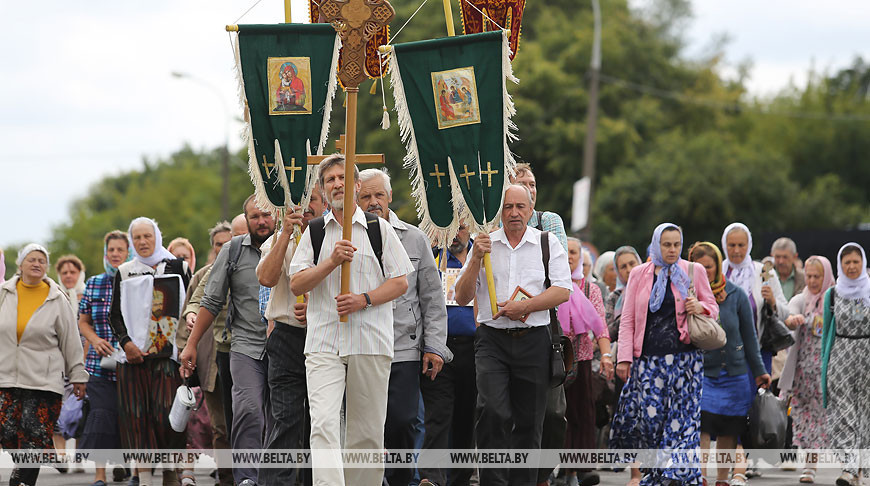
(454, 115)
(288, 76)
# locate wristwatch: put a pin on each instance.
(368, 301)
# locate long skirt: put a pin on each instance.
(145, 395)
(101, 428)
(660, 408)
(27, 418)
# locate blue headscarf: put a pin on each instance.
(677, 275)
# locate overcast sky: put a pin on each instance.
(87, 91)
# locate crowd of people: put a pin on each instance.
(422, 364)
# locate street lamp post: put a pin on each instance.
(225, 163)
(592, 112)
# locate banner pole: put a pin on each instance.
(448, 16)
(490, 282)
(287, 18)
(349, 164)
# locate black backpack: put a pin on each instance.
(373, 229)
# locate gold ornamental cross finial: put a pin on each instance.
(356, 21)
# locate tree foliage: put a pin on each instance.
(676, 140)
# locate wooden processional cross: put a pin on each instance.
(356, 21)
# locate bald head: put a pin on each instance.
(240, 225)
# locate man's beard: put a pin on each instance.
(256, 238)
(337, 203)
(456, 247)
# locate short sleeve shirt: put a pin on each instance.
(368, 331)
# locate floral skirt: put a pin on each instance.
(660, 408)
(27, 418)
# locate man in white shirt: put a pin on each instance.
(285, 346)
(354, 356)
(512, 356)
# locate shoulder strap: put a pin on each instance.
(373, 229)
(833, 295)
(540, 225)
(586, 287)
(545, 256)
(235, 252)
(555, 328)
(316, 232)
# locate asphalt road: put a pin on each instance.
(50, 477)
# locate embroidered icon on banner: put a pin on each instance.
(455, 97)
(289, 85)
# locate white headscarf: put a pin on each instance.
(31, 247)
(742, 274)
(853, 289)
(159, 254)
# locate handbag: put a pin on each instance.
(561, 348)
(704, 332)
(775, 336)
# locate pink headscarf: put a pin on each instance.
(577, 313)
(812, 302)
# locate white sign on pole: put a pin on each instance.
(580, 205)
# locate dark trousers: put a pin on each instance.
(226, 378)
(512, 389)
(402, 402)
(288, 395)
(449, 403)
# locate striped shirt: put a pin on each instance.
(368, 331)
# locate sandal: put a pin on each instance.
(847, 479)
(808, 476)
(722, 482)
(738, 479)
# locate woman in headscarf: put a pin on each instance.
(146, 305)
(40, 343)
(845, 361)
(71, 277)
(578, 316)
(747, 275)
(728, 390)
(101, 429)
(802, 373)
(605, 271)
(659, 407)
(181, 248)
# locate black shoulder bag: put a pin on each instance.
(561, 351)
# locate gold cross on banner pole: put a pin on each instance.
(360, 158)
(488, 173)
(437, 174)
(356, 21)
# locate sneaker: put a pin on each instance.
(426, 482)
(753, 472)
(99, 483)
(248, 482)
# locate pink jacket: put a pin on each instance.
(635, 307)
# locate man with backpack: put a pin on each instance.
(349, 360)
(235, 269)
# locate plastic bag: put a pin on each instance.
(768, 421)
(73, 417)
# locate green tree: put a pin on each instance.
(181, 192)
